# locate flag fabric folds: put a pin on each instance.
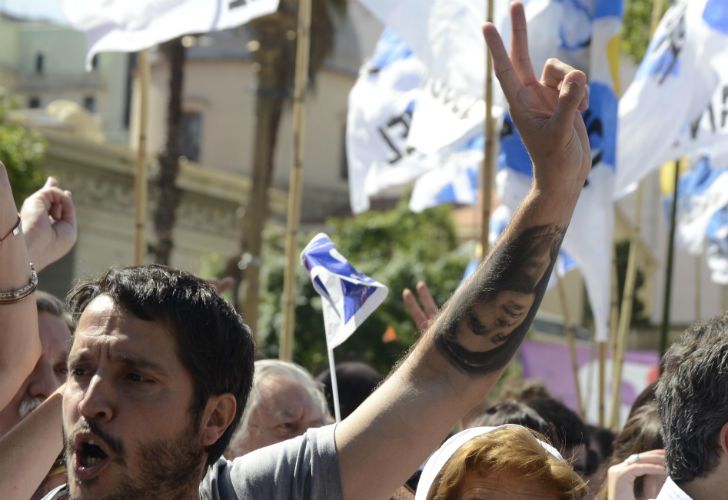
(717, 247)
(378, 123)
(702, 192)
(446, 35)
(348, 297)
(684, 64)
(132, 25)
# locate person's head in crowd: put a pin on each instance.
(600, 447)
(55, 331)
(641, 432)
(692, 397)
(159, 372)
(356, 381)
(498, 462)
(646, 397)
(525, 390)
(517, 413)
(284, 402)
(570, 436)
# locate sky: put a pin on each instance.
(35, 9)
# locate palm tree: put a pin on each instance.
(169, 194)
(275, 57)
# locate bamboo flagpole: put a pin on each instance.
(670, 263)
(488, 167)
(295, 183)
(140, 168)
(625, 314)
(571, 342)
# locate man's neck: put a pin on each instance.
(706, 488)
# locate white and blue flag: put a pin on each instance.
(378, 123)
(586, 35)
(348, 297)
(717, 247)
(681, 71)
(702, 192)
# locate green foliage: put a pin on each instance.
(397, 248)
(636, 33)
(21, 151)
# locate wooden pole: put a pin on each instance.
(571, 342)
(670, 263)
(488, 168)
(140, 170)
(602, 381)
(625, 316)
(295, 182)
(698, 286)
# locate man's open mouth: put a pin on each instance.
(91, 455)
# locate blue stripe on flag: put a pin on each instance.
(609, 8)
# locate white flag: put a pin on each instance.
(446, 35)
(672, 88)
(378, 123)
(132, 25)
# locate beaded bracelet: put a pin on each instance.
(12, 296)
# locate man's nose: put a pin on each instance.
(96, 402)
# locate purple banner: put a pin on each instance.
(551, 364)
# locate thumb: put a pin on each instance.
(573, 92)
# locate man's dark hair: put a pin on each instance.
(518, 413)
(355, 380)
(570, 431)
(47, 303)
(213, 343)
(692, 397)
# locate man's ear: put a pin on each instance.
(723, 437)
(217, 417)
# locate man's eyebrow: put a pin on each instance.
(134, 361)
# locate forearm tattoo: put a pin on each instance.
(484, 324)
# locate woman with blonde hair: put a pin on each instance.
(507, 462)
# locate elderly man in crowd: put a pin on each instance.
(284, 402)
(47, 376)
(161, 367)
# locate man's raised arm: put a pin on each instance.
(464, 351)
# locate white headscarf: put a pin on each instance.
(438, 459)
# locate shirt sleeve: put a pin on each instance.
(303, 468)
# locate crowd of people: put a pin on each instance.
(145, 384)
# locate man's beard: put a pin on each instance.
(167, 469)
(27, 405)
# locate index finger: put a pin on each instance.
(414, 309)
(501, 62)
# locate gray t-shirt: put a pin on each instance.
(302, 468)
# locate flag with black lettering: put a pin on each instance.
(378, 123)
(446, 35)
(672, 89)
(132, 25)
(586, 35)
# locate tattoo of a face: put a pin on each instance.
(480, 332)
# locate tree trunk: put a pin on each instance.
(169, 194)
(269, 103)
